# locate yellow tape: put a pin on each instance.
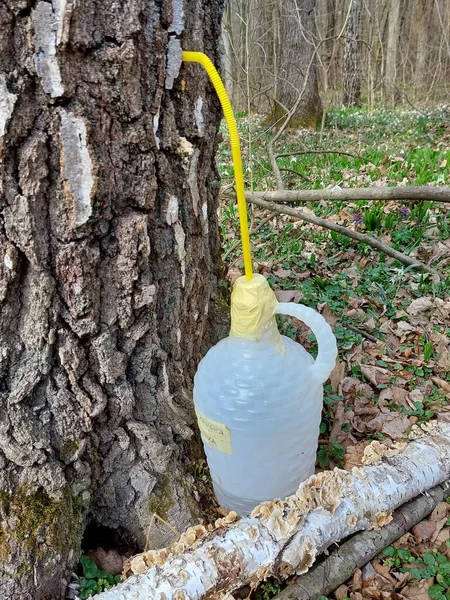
(217, 435)
(253, 306)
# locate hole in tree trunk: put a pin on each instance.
(96, 536)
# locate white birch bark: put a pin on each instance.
(283, 537)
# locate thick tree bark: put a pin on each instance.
(108, 276)
(297, 89)
(284, 537)
(352, 80)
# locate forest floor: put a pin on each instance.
(392, 322)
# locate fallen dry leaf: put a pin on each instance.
(233, 274)
(440, 512)
(282, 273)
(288, 295)
(330, 317)
(418, 591)
(423, 531)
(376, 375)
(444, 385)
(391, 424)
(341, 592)
(337, 374)
(420, 305)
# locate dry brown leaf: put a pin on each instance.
(423, 531)
(444, 385)
(233, 274)
(282, 273)
(383, 570)
(419, 590)
(288, 295)
(370, 324)
(337, 374)
(392, 424)
(341, 592)
(357, 580)
(376, 375)
(442, 536)
(440, 512)
(330, 317)
(302, 275)
(419, 305)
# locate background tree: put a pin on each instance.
(297, 89)
(108, 275)
(352, 83)
(390, 73)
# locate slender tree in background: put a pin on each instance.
(297, 88)
(352, 81)
(108, 274)
(390, 73)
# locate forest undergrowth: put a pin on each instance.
(392, 322)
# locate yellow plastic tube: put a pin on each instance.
(199, 57)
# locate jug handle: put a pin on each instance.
(326, 358)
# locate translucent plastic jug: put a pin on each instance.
(258, 398)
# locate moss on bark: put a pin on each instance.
(45, 526)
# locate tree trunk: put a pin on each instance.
(352, 82)
(423, 25)
(108, 274)
(390, 79)
(297, 89)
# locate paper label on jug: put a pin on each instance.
(216, 435)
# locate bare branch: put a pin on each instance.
(360, 237)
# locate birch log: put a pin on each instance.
(283, 537)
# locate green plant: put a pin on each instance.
(420, 411)
(267, 590)
(373, 217)
(94, 580)
(432, 564)
(333, 451)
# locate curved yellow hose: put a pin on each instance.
(206, 63)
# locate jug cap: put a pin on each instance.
(253, 305)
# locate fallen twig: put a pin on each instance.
(365, 334)
(318, 152)
(423, 192)
(255, 198)
(297, 173)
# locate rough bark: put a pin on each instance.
(297, 89)
(283, 537)
(352, 81)
(108, 272)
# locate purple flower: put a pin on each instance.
(357, 218)
(404, 212)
